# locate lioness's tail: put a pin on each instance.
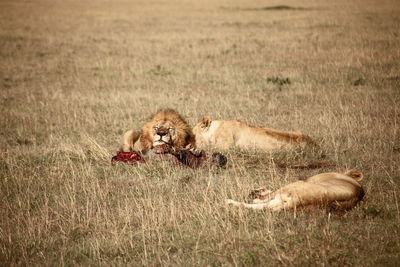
(356, 175)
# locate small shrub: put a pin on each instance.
(159, 70)
(280, 81)
(249, 258)
(359, 81)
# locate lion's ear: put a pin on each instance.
(206, 122)
(356, 175)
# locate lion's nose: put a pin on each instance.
(161, 133)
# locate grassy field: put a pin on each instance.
(74, 75)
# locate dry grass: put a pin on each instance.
(75, 74)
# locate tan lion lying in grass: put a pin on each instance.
(328, 190)
(223, 134)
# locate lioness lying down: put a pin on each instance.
(330, 190)
(223, 134)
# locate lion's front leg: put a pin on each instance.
(128, 140)
(192, 148)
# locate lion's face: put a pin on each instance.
(164, 132)
(166, 127)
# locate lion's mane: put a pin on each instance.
(182, 128)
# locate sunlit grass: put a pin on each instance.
(74, 75)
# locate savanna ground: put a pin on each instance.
(74, 75)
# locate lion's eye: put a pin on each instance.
(155, 128)
(170, 129)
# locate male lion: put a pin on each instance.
(225, 133)
(330, 190)
(164, 127)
